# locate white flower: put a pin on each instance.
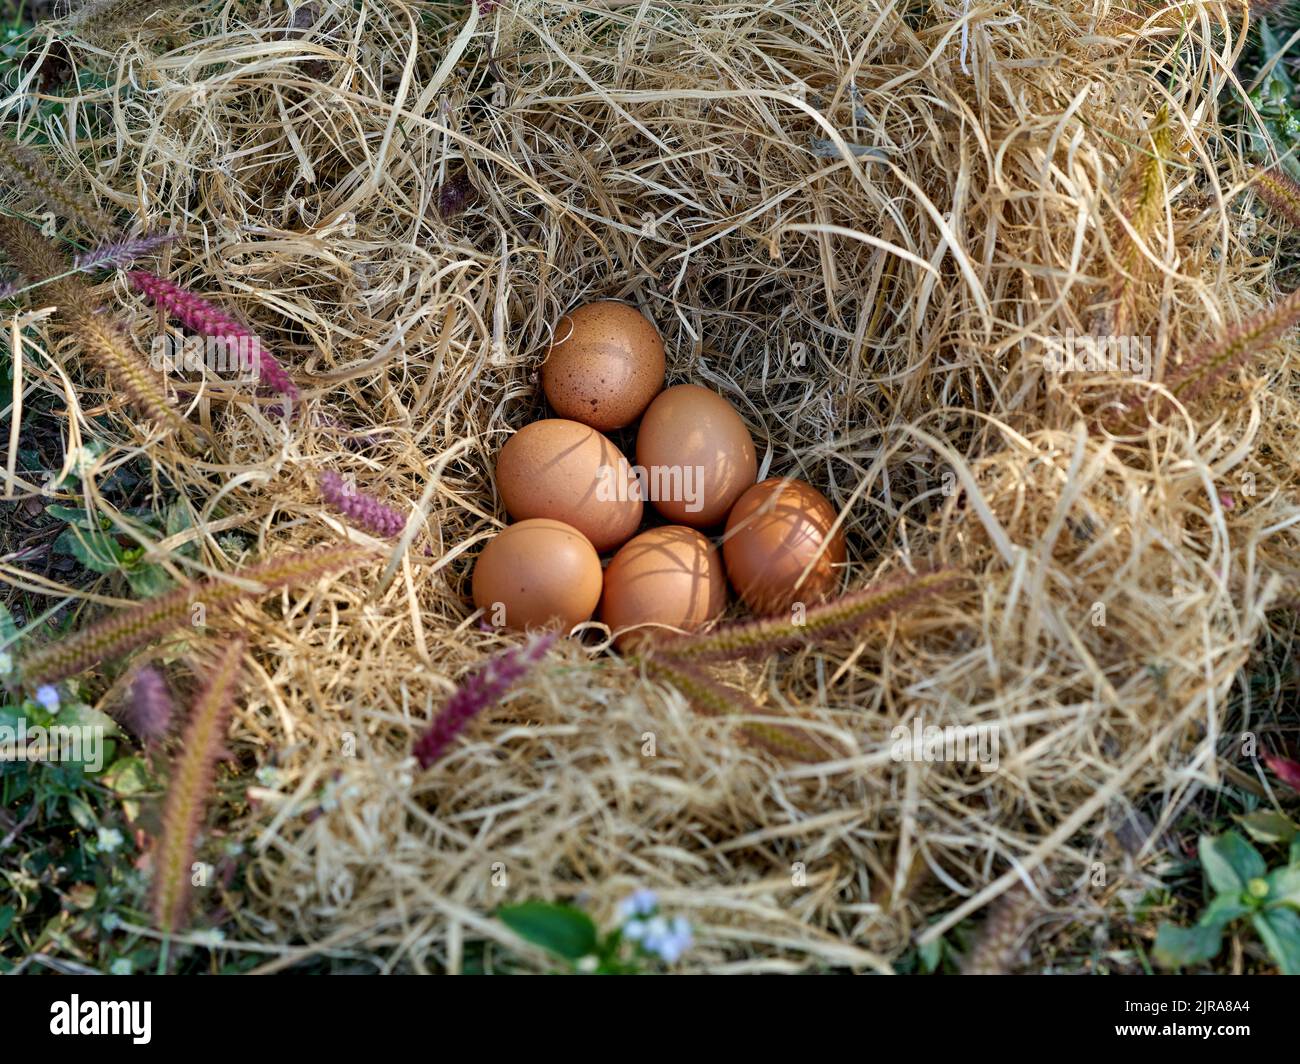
(83, 458)
(121, 966)
(589, 963)
(6, 663)
(48, 697)
(109, 839)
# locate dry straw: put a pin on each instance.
(863, 224)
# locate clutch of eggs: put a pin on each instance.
(573, 493)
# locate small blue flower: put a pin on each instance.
(642, 902)
(667, 940)
(634, 930)
(48, 697)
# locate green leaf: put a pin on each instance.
(81, 715)
(1266, 826)
(1223, 910)
(97, 551)
(8, 628)
(1230, 862)
(1280, 930)
(930, 955)
(82, 814)
(561, 929)
(148, 580)
(128, 778)
(1179, 946)
(73, 516)
(1270, 46)
(1293, 858)
(178, 520)
(1284, 886)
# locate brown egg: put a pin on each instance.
(696, 454)
(537, 574)
(605, 365)
(666, 576)
(775, 530)
(560, 469)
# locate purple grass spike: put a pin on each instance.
(122, 252)
(482, 688)
(363, 511)
(200, 316)
(149, 707)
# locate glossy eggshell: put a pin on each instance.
(699, 434)
(666, 576)
(542, 572)
(775, 530)
(605, 364)
(571, 473)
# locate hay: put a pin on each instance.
(859, 222)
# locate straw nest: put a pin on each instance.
(864, 224)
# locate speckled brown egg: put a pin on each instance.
(776, 530)
(538, 573)
(605, 364)
(666, 576)
(569, 472)
(697, 455)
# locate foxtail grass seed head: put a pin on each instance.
(133, 626)
(148, 710)
(767, 634)
(111, 19)
(363, 511)
(1211, 363)
(24, 168)
(110, 349)
(44, 268)
(1280, 192)
(121, 252)
(710, 698)
(998, 943)
(200, 316)
(481, 689)
(189, 787)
